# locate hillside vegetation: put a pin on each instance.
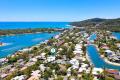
(22, 31)
(108, 24)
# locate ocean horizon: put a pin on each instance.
(27, 25)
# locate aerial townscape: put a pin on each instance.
(76, 53)
(59, 39)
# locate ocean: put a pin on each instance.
(26, 25)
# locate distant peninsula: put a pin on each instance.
(23, 31)
(99, 23)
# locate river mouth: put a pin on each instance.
(21, 41)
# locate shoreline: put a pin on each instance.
(24, 49)
(105, 59)
(28, 33)
(28, 48)
(88, 58)
(25, 31)
(4, 44)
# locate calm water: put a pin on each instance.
(95, 57)
(17, 42)
(97, 60)
(92, 37)
(24, 25)
(116, 34)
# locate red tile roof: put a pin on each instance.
(112, 71)
(60, 43)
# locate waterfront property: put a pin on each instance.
(92, 37)
(73, 59)
(116, 34)
(96, 58)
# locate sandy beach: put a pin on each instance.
(107, 61)
(3, 44)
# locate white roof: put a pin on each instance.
(43, 54)
(108, 51)
(81, 41)
(74, 61)
(22, 77)
(2, 59)
(118, 45)
(33, 59)
(78, 46)
(69, 69)
(60, 49)
(3, 75)
(95, 70)
(26, 49)
(42, 67)
(84, 65)
(87, 71)
(57, 36)
(81, 69)
(78, 52)
(35, 73)
(51, 58)
(83, 59)
(78, 49)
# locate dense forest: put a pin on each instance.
(107, 24)
(21, 31)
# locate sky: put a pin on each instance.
(58, 10)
